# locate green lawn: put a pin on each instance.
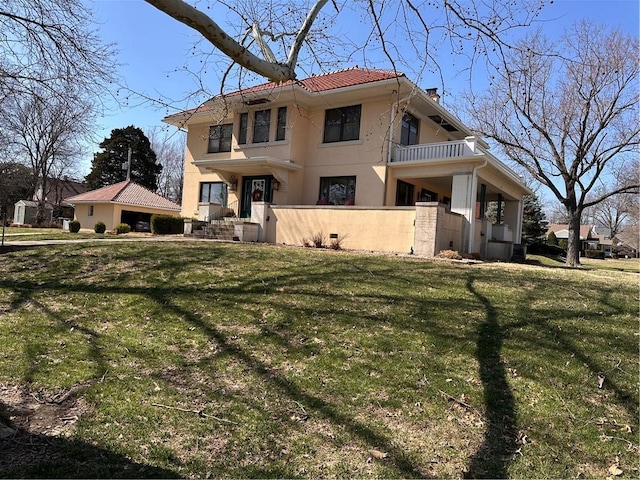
(202, 359)
(13, 234)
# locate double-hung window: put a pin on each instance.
(261, 124)
(410, 129)
(213, 192)
(337, 190)
(220, 138)
(342, 124)
(242, 128)
(282, 123)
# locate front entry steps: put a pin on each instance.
(229, 229)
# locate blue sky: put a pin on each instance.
(153, 47)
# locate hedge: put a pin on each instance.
(122, 228)
(166, 225)
(542, 249)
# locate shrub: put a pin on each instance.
(317, 239)
(563, 244)
(336, 242)
(122, 228)
(538, 249)
(74, 226)
(552, 239)
(99, 227)
(166, 225)
(597, 254)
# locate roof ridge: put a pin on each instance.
(126, 184)
(354, 67)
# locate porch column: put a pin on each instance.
(464, 190)
(513, 211)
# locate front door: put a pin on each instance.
(254, 189)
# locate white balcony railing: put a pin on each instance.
(441, 150)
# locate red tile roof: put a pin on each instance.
(329, 81)
(348, 77)
(127, 192)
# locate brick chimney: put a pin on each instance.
(432, 93)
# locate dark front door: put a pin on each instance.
(254, 189)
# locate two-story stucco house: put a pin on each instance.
(362, 155)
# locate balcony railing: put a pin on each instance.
(441, 150)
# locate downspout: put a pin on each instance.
(472, 222)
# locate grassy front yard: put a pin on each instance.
(209, 359)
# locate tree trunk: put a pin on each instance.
(573, 247)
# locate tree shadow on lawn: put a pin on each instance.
(397, 458)
(28, 454)
(500, 438)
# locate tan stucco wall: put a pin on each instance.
(111, 213)
(380, 229)
(101, 213)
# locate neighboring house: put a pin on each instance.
(55, 204)
(606, 245)
(628, 243)
(363, 156)
(124, 202)
(589, 239)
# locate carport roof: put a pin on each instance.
(128, 193)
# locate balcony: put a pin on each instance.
(466, 148)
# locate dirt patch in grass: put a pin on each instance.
(33, 419)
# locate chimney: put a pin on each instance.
(432, 93)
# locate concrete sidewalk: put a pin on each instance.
(10, 246)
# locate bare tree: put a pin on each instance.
(170, 150)
(44, 42)
(271, 37)
(47, 133)
(614, 212)
(568, 114)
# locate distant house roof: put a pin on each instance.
(629, 238)
(348, 77)
(562, 231)
(128, 193)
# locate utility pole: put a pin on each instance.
(129, 163)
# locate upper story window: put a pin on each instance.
(410, 129)
(261, 124)
(213, 192)
(220, 138)
(342, 124)
(282, 123)
(242, 128)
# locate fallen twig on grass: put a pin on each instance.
(200, 413)
(461, 403)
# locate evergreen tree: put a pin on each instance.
(16, 183)
(110, 165)
(533, 221)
